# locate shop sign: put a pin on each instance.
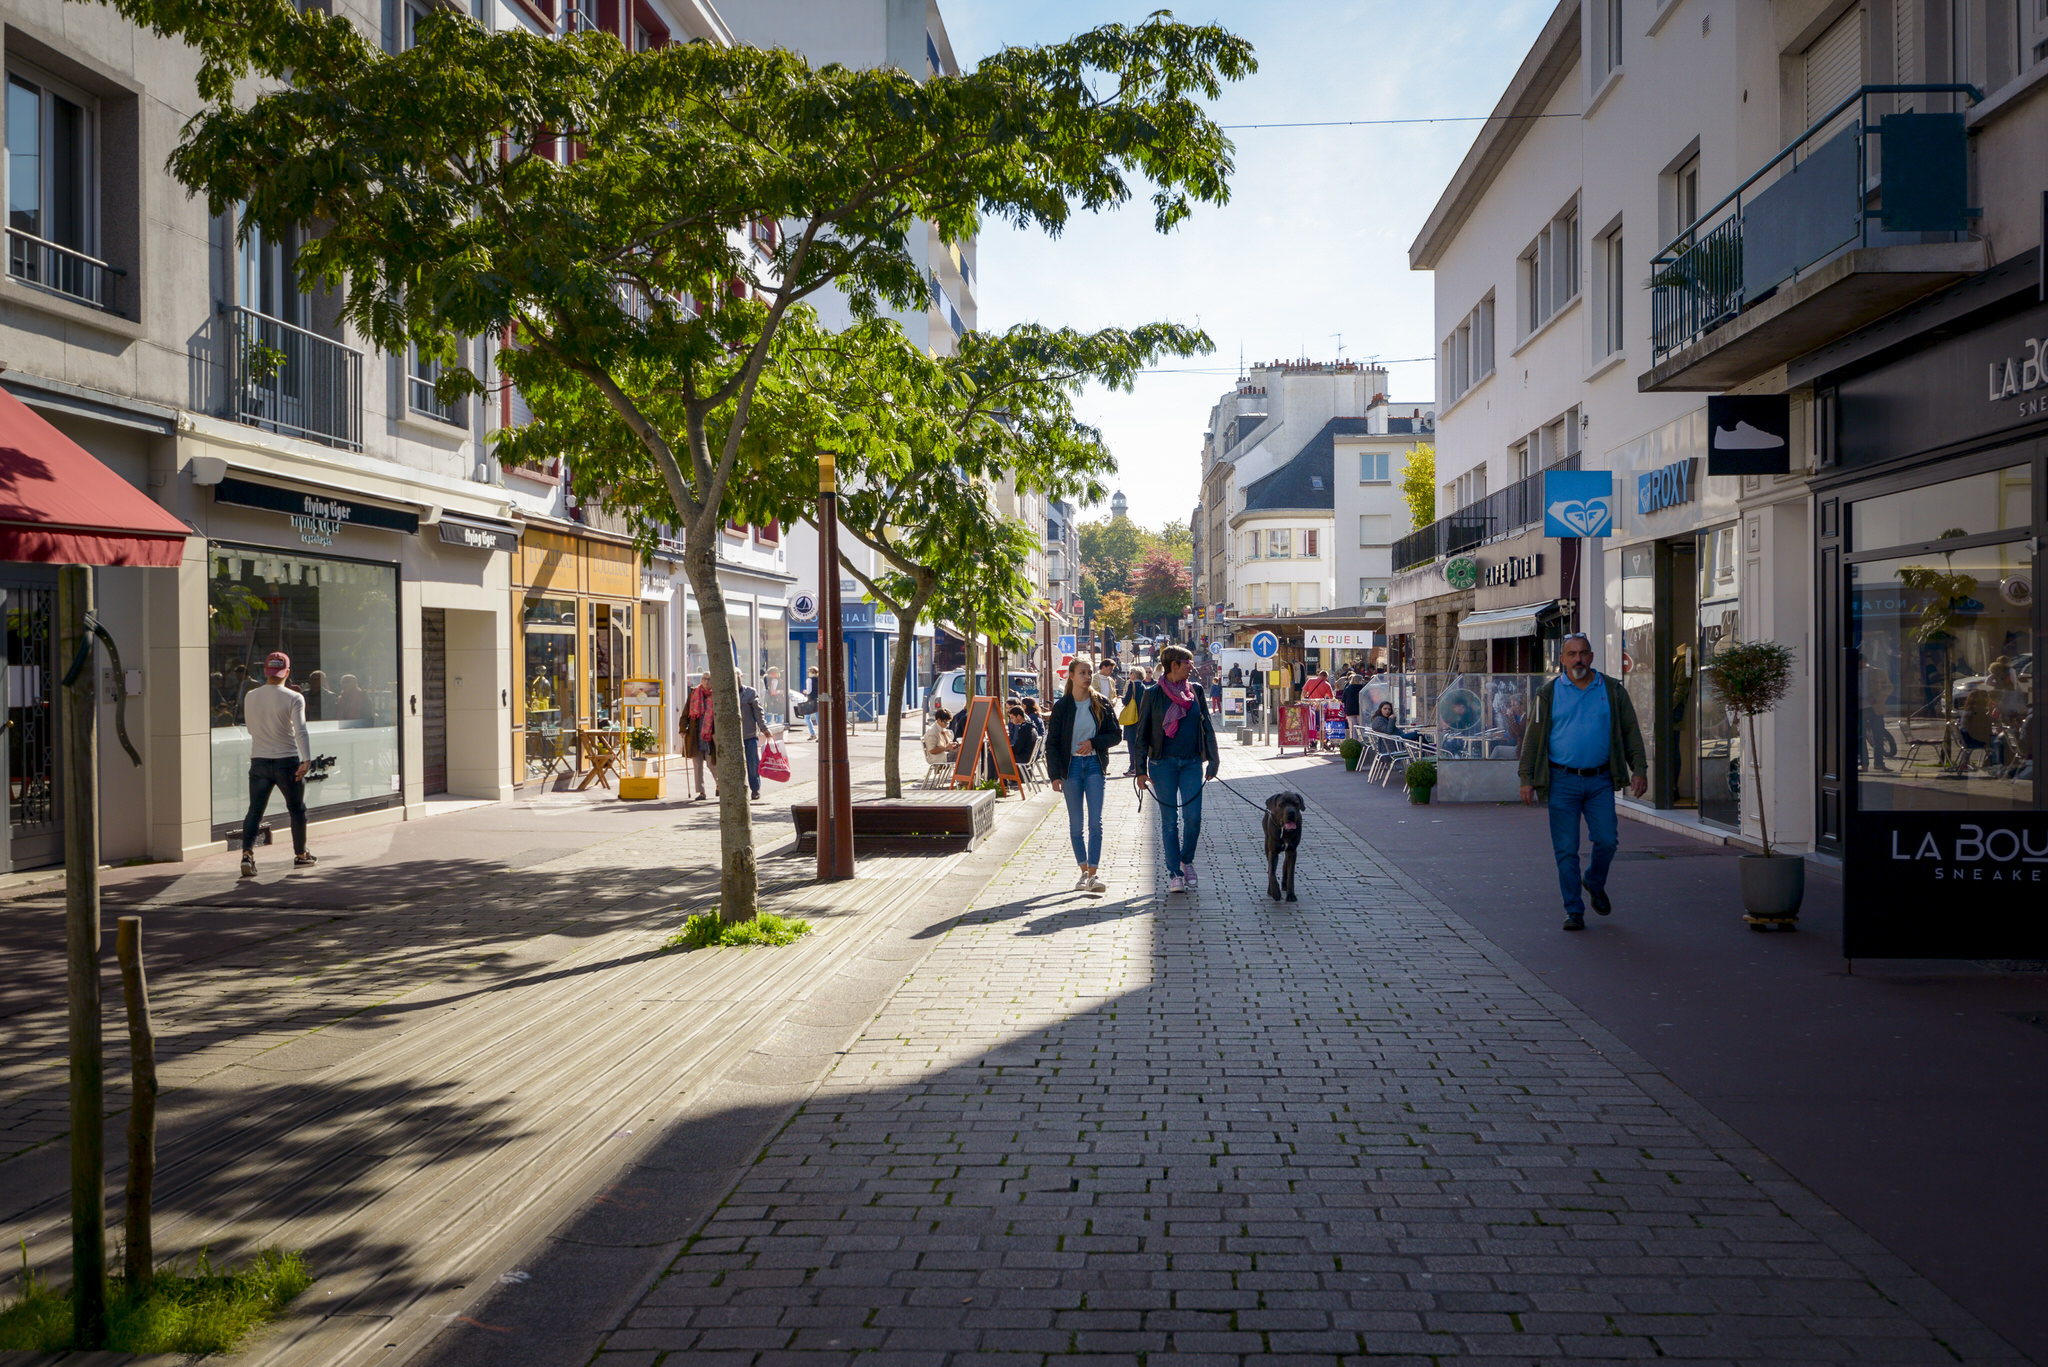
(1461, 572)
(477, 537)
(1668, 486)
(317, 517)
(1945, 885)
(803, 607)
(1961, 387)
(1578, 503)
(2020, 376)
(1512, 570)
(1749, 434)
(1337, 640)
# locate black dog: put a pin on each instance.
(1283, 834)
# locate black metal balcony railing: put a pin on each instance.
(1821, 194)
(1498, 514)
(296, 382)
(61, 270)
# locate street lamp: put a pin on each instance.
(835, 781)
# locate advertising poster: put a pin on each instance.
(1233, 703)
(1294, 725)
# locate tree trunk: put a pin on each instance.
(1756, 765)
(738, 885)
(899, 675)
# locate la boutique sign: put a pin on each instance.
(1975, 855)
(2023, 374)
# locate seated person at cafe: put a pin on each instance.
(1977, 729)
(939, 740)
(1023, 736)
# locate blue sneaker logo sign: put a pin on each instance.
(1578, 503)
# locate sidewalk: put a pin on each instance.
(418, 1060)
(1912, 1096)
(1132, 1127)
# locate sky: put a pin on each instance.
(1311, 252)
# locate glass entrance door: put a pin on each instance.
(1720, 744)
(35, 825)
(1678, 671)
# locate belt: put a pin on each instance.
(1594, 772)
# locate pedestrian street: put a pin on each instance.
(1137, 1128)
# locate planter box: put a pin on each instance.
(640, 789)
(935, 822)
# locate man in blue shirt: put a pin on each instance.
(1583, 743)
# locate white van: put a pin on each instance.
(951, 689)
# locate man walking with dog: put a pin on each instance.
(1175, 744)
(1583, 744)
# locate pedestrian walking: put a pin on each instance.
(695, 729)
(1078, 739)
(1582, 745)
(1175, 747)
(752, 724)
(280, 754)
(1133, 692)
(811, 697)
(1354, 685)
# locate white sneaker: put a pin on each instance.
(1190, 871)
(1095, 883)
(1081, 883)
(1176, 884)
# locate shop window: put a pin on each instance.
(548, 626)
(1941, 688)
(338, 620)
(610, 647)
(773, 668)
(1994, 501)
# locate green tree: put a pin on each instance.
(920, 442)
(1178, 536)
(1110, 547)
(644, 312)
(1418, 487)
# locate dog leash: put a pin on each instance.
(1219, 782)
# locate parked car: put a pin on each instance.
(2022, 665)
(951, 689)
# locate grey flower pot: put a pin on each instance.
(1772, 886)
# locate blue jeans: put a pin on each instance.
(1130, 748)
(1083, 787)
(754, 765)
(268, 774)
(1177, 786)
(1593, 798)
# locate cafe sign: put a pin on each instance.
(1511, 570)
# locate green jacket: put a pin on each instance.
(1624, 748)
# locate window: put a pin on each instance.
(1519, 462)
(1251, 545)
(2033, 33)
(1375, 529)
(1309, 547)
(1468, 351)
(338, 619)
(1832, 69)
(1372, 467)
(1605, 40)
(1612, 335)
(1466, 489)
(1255, 598)
(1279, 543)
(1549, 271)
(52, 191)
(1305, 598)
(423, 371)
(1685, 191)
(1372, 591)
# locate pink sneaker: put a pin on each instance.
(1189, 870)
(1176, 884)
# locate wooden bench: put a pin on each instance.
(938, 822)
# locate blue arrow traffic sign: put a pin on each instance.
(1265, 645)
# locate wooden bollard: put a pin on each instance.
(140, 1259)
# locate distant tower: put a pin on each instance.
(1117, 504)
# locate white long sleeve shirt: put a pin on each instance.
(276, 718)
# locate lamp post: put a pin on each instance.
(835, 783)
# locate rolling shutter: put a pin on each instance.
(1906, 50)
(1834, 69)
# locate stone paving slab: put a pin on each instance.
(1146, 1129)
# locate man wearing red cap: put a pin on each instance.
(280, 753)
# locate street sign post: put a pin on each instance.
(1066, 645)
(1265, 645)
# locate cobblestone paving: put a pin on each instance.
(1214, 1129)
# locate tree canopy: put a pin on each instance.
(641, 223)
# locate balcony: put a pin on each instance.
(295, 382)
(1497, 515)
(1812, 246)
(62, 271)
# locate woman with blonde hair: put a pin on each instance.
(1078, 739)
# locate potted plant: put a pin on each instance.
(1351, 749)
(1753, 677)
(640, 743)
(1420, 776)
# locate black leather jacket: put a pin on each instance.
(1059, 733)
(1150, 741)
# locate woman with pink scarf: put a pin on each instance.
(1175, 746)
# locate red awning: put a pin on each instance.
(60, 506)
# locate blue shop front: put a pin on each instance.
(870, 637)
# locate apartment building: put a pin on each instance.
(1272, 413)
(1836, 206)
(1368, 468)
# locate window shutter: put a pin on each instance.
(1834, 68)
(1906, 49)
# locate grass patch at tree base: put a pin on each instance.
(766, 928)
(208, 1310)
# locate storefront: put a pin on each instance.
(870, 636)
(580, 636)
(1519, 586)
(1673, 588)
(1927, 530)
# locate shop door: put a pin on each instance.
(1720, 742)
(1677, 672)
(434, 698)
(35, 829)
